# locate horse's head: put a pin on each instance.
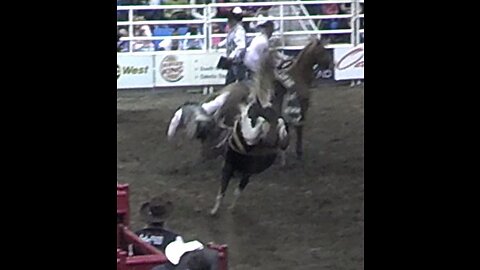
(193, 119)
(318, 53)
(313, 56)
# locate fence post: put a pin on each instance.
(281, 25)
(207, 26)
(130, 30)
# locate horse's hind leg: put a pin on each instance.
(227, 173)
(283, 158)
(238, 191)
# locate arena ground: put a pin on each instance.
(307, 216)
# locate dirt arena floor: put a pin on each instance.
(307, 216)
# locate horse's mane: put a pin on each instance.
(302, 52)
(238, 94)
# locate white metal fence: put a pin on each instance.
(294, 23)
(170, 68)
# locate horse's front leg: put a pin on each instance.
(227, 173)
(299, 144)
(284, 140)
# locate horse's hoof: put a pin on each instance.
(213, 212)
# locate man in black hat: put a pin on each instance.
(236, 46)
(181, 256)
(154, 213)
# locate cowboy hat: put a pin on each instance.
(176, 249)
(264, 21)
(236, 14)
(156, 210)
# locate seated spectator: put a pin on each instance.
(169, 44)
(193, 44)
(176, 14)
(144, 13)
(122, 46)
(142, 31)
(329, 24)
(216, 30)
(313, 9)
(154, 14)
(197, 14)
(329, 9)
(222, 12)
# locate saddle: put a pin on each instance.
(261, 149)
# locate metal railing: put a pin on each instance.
(289, 38)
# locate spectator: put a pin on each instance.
(154, 14)
(154, 213)
(142, 31)
(122, 46)
(175, 14)
(329, 24)
(313, 9)
(216, 30)
(193, 44)
(169, 44)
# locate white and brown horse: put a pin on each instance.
(258, 131)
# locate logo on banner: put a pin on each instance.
(324, 74)
(171, 69)
(352, 58)
(131, 70)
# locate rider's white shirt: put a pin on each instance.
(256, 51)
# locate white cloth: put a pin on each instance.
(257, 50)
(175, 250)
